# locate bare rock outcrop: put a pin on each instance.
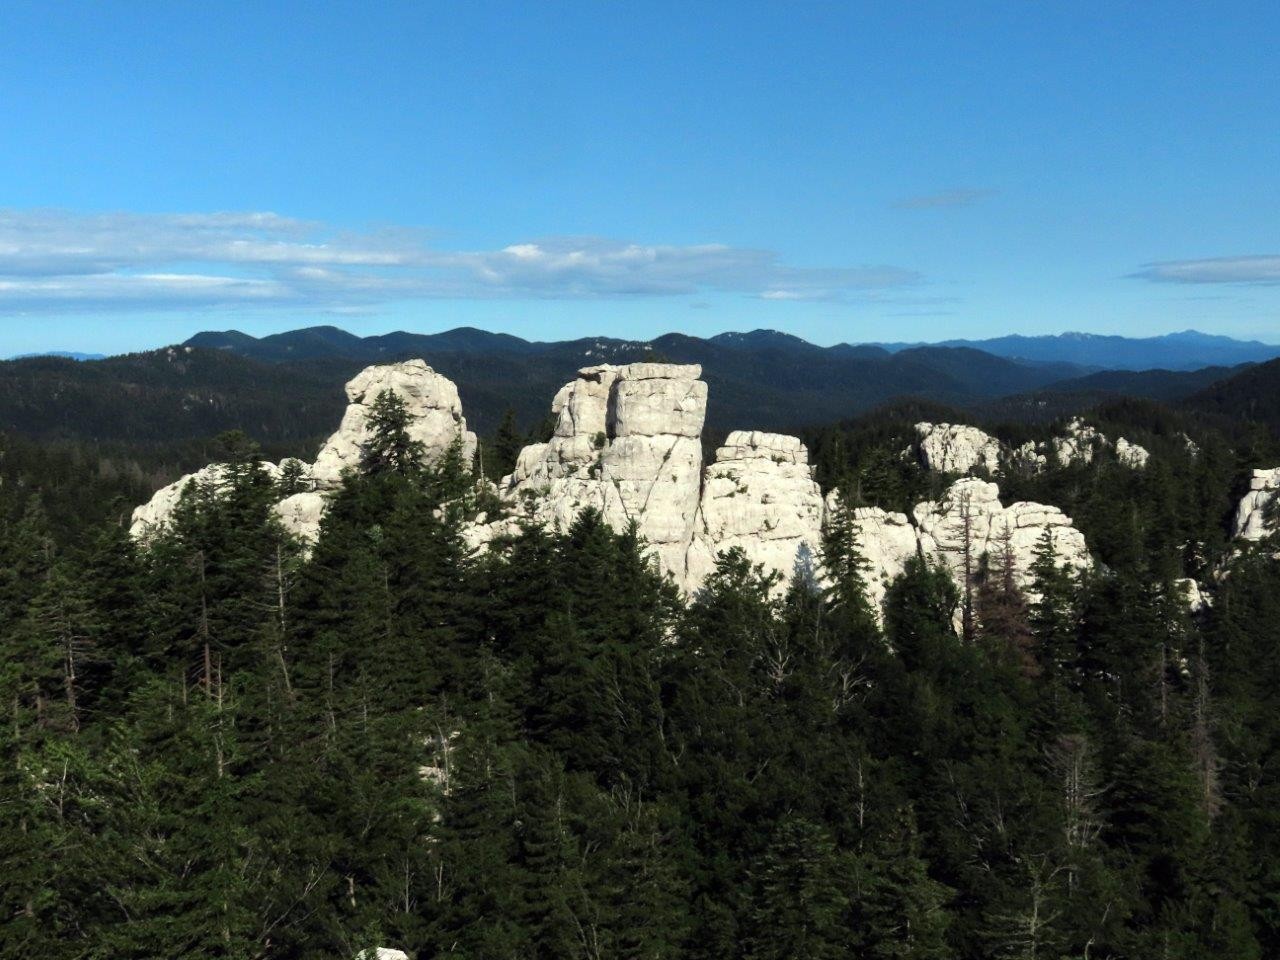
(430, 399)
(627, 443)
(969, 521)
(759, 495)
(957, 448)
(1131, 455)
(1076, 444)
(886, 540)
(150, 518)
(436, 420)
(1251, 520)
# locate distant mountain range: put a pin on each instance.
(286, 389)
(65, 354)
(1186, 350)
(765, 378)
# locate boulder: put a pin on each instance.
(1251, 513)
(301, 514)
(430, 399)
(1131, 455)
(759, 495)
(1028, 458)
(1076, 444)
(957, 448)
(1198, 600)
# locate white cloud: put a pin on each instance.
(54, 259)
(1249, 269)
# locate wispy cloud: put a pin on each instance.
(58, 259)
(1248, 269)
(959, 197)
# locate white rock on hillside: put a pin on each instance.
(1076, 445)
(150, 518)
(1131, 455)
(886, 541)
(759, 495)
(957, 448)
(627, 443)
(436, 420)
(1197, 599)
(301, 514)
(1250, 521)
(382, 953)
(971, 510)
(430, 399)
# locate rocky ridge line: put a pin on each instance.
(627, 442)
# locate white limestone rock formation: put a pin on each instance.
(1028, 458)
(430, 399)
(1076, 445)
(301, 513)
(971, 511)
(1251, 513)
(382, 953)
(886, 541)
(957, 448)
(759, 495)
(1131, 455)
(150, 518)
(1198, 600)
(628, 443)
(436, 420)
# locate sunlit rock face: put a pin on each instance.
(886, 540)
(301, 513)
(759, 496)
(957, 448)
(1131, 455)
(627, 443)
(152, 517)
(382, 953)
(1251, 513)
(969, 521)
(430, 399)
(1076, 444)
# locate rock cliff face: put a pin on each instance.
(627, 442)
(1251, 514)
(1131, 455)
(436, 420)
(431, 401)
(970, 512)
(957, 448)
(151, 517)
(886, 540)
(759, 495)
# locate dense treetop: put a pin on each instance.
(221, 746)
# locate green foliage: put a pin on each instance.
(217, 746)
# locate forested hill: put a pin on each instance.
(287, 392)
(218, 745)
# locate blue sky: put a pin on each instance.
(845, 172)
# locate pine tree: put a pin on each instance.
(390, 447)
(798, 901)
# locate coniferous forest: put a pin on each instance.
(221, 745)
